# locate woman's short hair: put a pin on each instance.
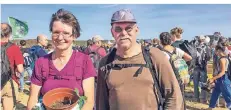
(156, 41)
(67, 18)
(177, 31)
(165, 38)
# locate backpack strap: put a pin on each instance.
(169, 53)
(106, 64)
(13, 92)
(148, 59)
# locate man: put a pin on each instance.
(10, 89)
(148, 42)
(200, 72)
(39, 49)
(122, 86)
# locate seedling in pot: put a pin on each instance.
(81, 98)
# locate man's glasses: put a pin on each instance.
(65, 35)
(129, 28)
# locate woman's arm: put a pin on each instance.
(33, 98)
(89, 89)
(187, 57)
(222, 66)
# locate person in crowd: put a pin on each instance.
(156, 43)
(221, 80)
(165, 39)
(42, 43)
(148, 42)
(27, 64)
(9, 86)
(96, 46)
(200, 71)
(176, 36)
(50, 48)
(73, 69)
(122, 87)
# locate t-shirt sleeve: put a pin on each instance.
(18, 56)
(102, 52)
(179, 52)
(89, 69)
(36, 77)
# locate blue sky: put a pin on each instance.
(152, 19)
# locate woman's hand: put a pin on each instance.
(211, 81)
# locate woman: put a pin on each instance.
(222, 83)
(64, 67)
(176, 36)
(165, 39)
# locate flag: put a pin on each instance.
(19, 28)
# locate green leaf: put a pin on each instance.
(77, 91)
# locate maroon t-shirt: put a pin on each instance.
(78, 68)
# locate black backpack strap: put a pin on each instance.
(147, 58)
(106, 63)
(13, 92)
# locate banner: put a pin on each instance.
(19, 28)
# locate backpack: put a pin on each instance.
(95, 57)
(190, 49)
(28, 59)
(6, 70)
(204, 55)
(179, 67)
(177, 43)
(33, 51)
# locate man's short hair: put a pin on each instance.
(22, 42)
(5, 30)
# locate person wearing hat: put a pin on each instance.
(96, 46)
(147, 42)
(200, 72)
(135, 88)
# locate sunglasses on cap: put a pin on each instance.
(128, 28)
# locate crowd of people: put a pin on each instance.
(127, 74)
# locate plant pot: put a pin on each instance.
(60, 94)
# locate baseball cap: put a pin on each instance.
(201, 37)
(97, 38)
(124, 15)
(148, 41)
